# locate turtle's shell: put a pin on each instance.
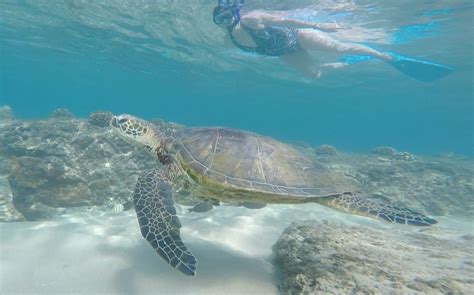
(247, 161)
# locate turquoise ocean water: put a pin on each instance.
(66, 186)
(167, 59)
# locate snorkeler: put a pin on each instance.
(272, 34)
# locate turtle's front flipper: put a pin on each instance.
(153, 198)
(377, 207)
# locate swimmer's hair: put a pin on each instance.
(218, 10)
(226, 5)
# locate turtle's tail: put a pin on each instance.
(375, 206)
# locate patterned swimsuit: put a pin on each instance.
(271, 41)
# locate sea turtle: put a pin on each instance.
(238, 167)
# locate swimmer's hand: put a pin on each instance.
(327, 27)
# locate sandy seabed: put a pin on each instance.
(104, 253)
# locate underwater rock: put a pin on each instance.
(61, 164)
(384, 151)
(201, 207)
(100, 118)
(8, 212)
(404, 156)
(58, 165)
(434, 185)
(393, 154)
(325, 150)
(5, 113)
(62, 113)
(328, 258)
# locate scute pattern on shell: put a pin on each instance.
(248, 161)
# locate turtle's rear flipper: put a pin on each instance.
(153, 198)
(377, 207)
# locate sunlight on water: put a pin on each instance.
(139, 34)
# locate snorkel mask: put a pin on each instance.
(227, 12)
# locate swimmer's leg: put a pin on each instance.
(311, 39)
(303, 62)
(420, 70)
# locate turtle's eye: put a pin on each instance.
(123, 120)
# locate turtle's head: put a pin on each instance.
(140, 132)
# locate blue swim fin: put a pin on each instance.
(420, 70)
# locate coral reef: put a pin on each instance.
(8, 212)
(62, 113)
(326, 258)
(391, 153)
(404, 156)
(100, 118)
(5, 113)
(325, 150)
(59, 165)
(63, 164)
(384, 151)
(438, 186)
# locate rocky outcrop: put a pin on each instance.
(325, 150)
(100, 118)
(5, 113)
(8, 212)
(440, 186)
(64, 162)
(326, 258)
(393, 154)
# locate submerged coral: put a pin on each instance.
(5, 113)
(393, 154)
(60, 165)
(62, 113)
(8, 212)
(404, 156)
(100, 118)
(64, 164)
(57, 165)
(384, 151)
(325, 150)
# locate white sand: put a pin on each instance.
(106, 254)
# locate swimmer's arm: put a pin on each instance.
(268, 19)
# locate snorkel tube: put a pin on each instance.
(227, 9)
